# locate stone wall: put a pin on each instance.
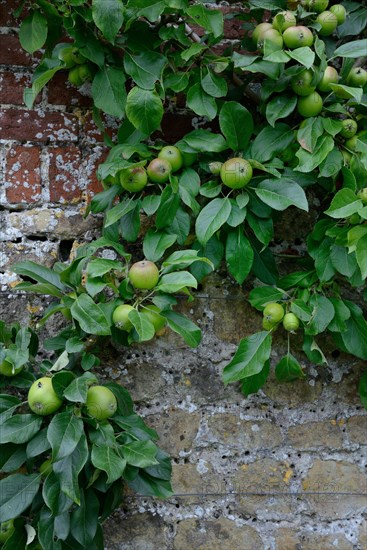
(283, 469)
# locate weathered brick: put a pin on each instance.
(37, 126)
(11, 52)
(64, 174)
(229, 429)
(12, 86)
(136, 532)
(289, 539)
(212, 534)
(177, 430)
(61, 92)
(316, 434)
(337, 489)
(357, 429)
(23, 174)
(192, 487)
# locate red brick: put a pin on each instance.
(7, 8)
(23, 174)
(60, 92)
(64, 174)
(38, 126)
(233, 28)
(12, 53)
(91, 163)
(12, 86)
(92, 133)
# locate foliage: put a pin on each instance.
(292, 104)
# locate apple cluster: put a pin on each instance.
(284, 31)
(274, 313)
(143, 276)
(80, 70)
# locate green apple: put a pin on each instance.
(290, 322)
(297, 37)
(273, 312)
(144, 275)
(7, 369)
(271, 37)
(6, 530)
(349, 129)
(66, 55)
(340, 12)
(173, 155)
(133, 179)
(73, 76)
(215, 167)
(351, 143)
(283, 20)
(159, 170)
(101, 402)
(303, 83)
(330, 76)
(310, 105)
(362, 194)
(120, 317)
(152, 312)
(317, 5)
(259, 31)
(42, 398)
(357, 77)
(236, 173)
(328, 22)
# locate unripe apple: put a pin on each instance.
(6, 530)
(173, 155)
(303, 83)
(328, 22)
(362, 194)
(273, 312)
(317, 5)
(133, 179)
(236, 173)
(290, 322)
(159, 170)
(297, 37)
(144, 275)
(349, 129)
(351, 143)
(330, 76)
(7, 369)
(259, 31)
(42, 398)
(357, 77)
(271, 37)
(120, 317)
(283, 20)
(340, 12)
(101, 402)
(152, 312)
(310, 105)
(215, 167)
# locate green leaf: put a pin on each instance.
(142, 325)
(76, 391)
(213, 250)
(145, 68)
(271, 141)
(354, 49)
(107, 459)
(30, 94)
(84, 518)
(168, 207)
(38, 273)
(17, 493)
(192, 51)
(354, 339)
(322, 314)
(180, 227)
(301, 310)
(135, 426)
(125, 405)
(279, 194)
(140, 453)
(214, 85)
(332, 165)
(263, 295)
(310, 161)
(305, 56)
(119, 211)
(101, 266)
(310, 132)
(144, 109)
(64, 433)
(156, 243)
(202, 140)
(250, 357)
(150, 204)
(361, 255)
(239, 255)
(183, 326)
(236, 124)
(108, 91)
(280, 107)
(211, 20)
(56, 500)
(288, 369)
(90, 316)
(200, 102)
(33, 31)
(46, 530)
(144, 484)
(342, 314)
(263, 228)
(176, 281)
(344, 204)
(362, 389)
(252, 384)
(211, 218)
(68, 469)
(12, 457)
(20, 428)
(354, 23)
(347, 92)
(108, 17)
(38, 444)
(264, 266)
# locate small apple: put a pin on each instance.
(303, 83)
(6, 530)
(297, 37)
(317, 5)
(349, 129)
(351, 143)
(133, 179)
(159, 170)
(77, 57)
(259, 31)
(74, 78)
(120, 317)
(42, 398)
(310, 105)
(283, 20)
(328, 22)
(273, 312)
(340, 12)
(273, 38)
(144, 275)
(362, 194)
(215, 167)
(173, 155)
(330, 76)
(236, 173)
(66, 55)
(101, 402)
(290, 322)
(85, 72)
(357, 77)
(7, 369)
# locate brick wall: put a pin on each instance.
(284, 469)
